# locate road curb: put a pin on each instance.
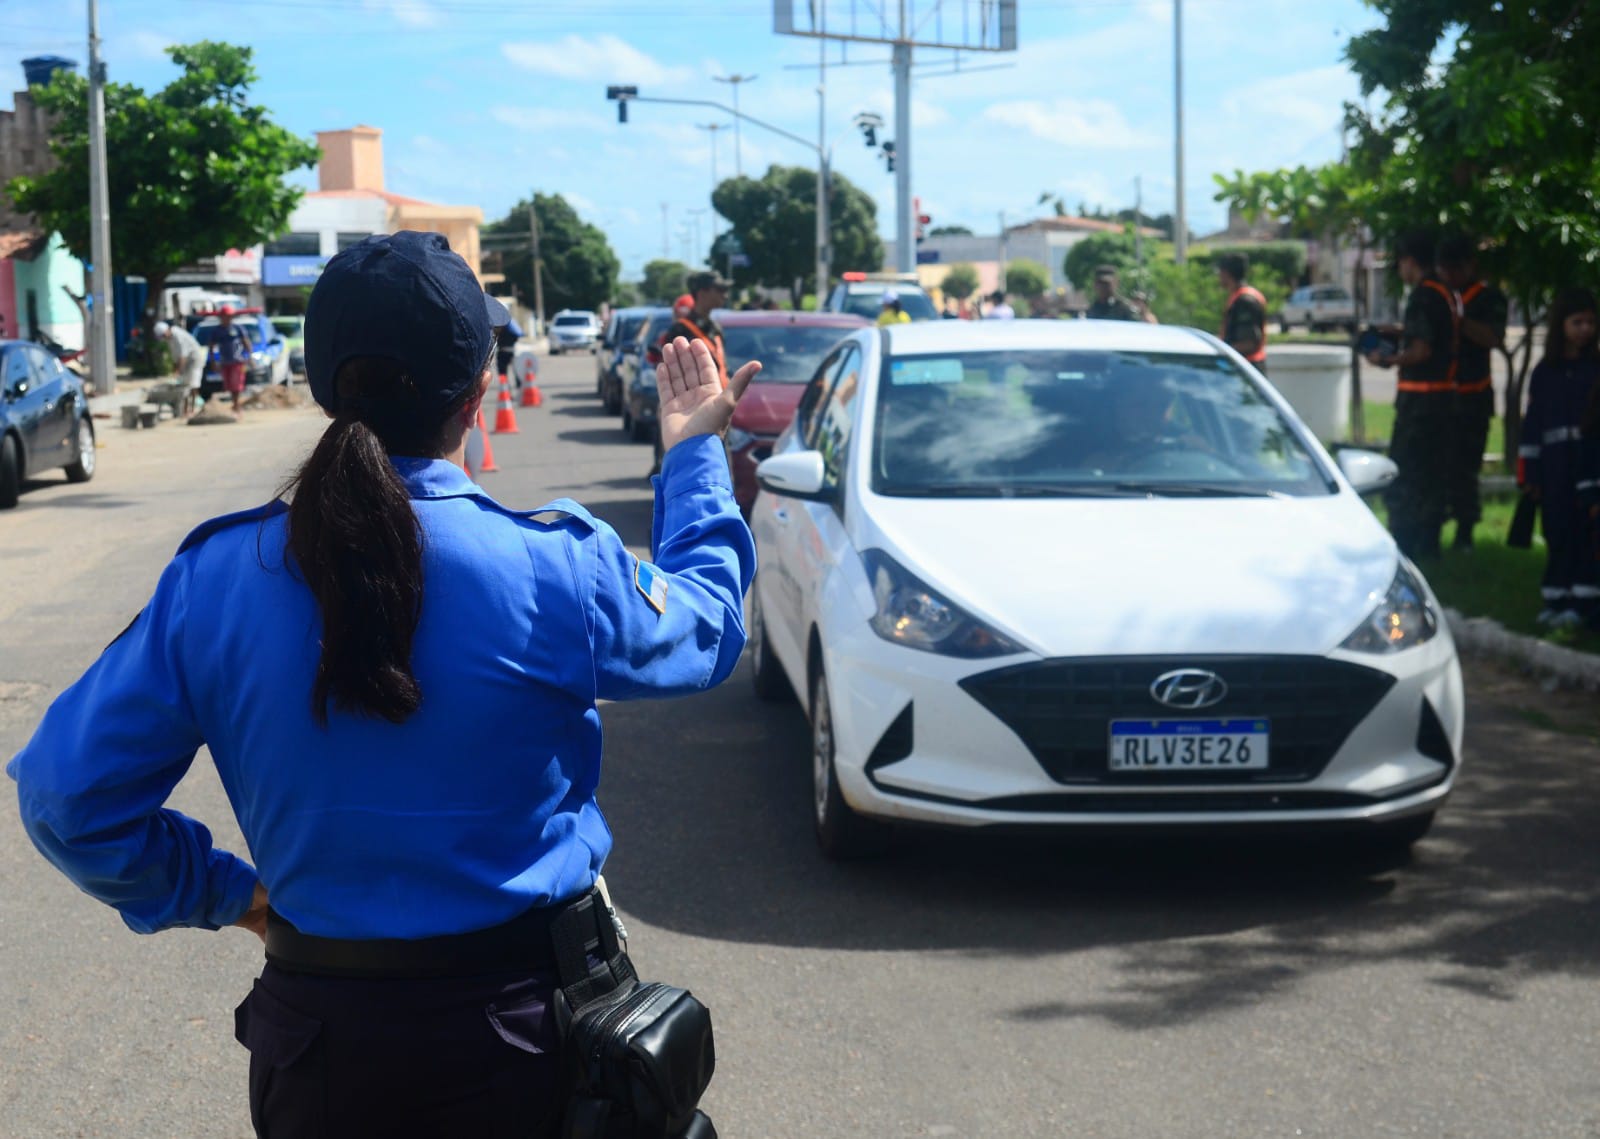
(1555, 665)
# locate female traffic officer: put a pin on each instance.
(396, 677)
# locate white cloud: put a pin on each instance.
(410, 13)
(1309, 102)
(1093, 124)
(545, 120)
(603, 59)
(146, 44)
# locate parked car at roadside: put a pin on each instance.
(573, 330)
(1319, 307)
(789, 345)
(293, 331)
(44, 419)
(1094, 575)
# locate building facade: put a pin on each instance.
(350, 203)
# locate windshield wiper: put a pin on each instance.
(1197, 490)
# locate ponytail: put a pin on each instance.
(357, 543)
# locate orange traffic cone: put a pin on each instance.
(505, 416)
(531, 396)
(488, 451)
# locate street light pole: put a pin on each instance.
(1180, 227)
(713, 128)
(824, 228)
(538, 265)
(738, 148)
(102, 340)
(905, 251)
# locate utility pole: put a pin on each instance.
(102, 340)
(734, 81)
(905, 250)
(1180, 227)
(1001, 283)
(538, 266)
(1138, 224)
(714, 128)
(824, 173)
(666, 240)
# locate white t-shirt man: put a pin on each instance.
(188, 357)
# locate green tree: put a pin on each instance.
(1097, 249)
(1489, 125)
(664, 280)
(195, 169)
(949, 231)
(580, 269)
(960, 282)
(775, 220)
(1027, 279)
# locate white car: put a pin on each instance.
(573, 328)
(1319, 307)
(1090, 573)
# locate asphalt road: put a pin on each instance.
(962, 986)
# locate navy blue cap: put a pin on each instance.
(405, 296)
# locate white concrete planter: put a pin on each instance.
(1315, 379)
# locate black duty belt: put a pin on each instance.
(523, 943)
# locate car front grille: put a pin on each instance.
(1062, 709)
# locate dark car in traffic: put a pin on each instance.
(639, 401)
(44, 419)
(790, 346)
(615, 342)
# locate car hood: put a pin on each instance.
(765, 409)
(1074, 577)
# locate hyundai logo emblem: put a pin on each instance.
(1189, 688)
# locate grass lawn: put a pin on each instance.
(1493, 580)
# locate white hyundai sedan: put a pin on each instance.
(1090, 573)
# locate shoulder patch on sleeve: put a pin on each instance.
(255, 514)
(652, 583)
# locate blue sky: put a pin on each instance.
(481, 101)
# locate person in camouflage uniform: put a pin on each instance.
(1107, 305)
(1482, 316)
(1424, 401)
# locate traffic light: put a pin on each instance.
(922, 225)
(888, 156)
(621, 95)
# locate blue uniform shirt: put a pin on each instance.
(479, 806)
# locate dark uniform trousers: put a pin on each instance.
(397, 1059)
(1425, 449)
(1469, 436)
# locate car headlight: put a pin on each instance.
(258, 357)
(738, 439)
(914, 615)
(1402, 620)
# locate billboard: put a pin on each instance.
(291, 269)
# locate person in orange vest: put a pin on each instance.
(1482, 312)
(1424, 401)
(1244, 314)
(708, 292)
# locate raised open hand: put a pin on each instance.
(693, 400)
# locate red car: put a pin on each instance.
(789, 345)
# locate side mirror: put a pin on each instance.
(797, 474)
(1367, 471)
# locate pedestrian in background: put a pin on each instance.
(188, 361)
(1244, 313)
(1481, 314)
(998, 308)
(1551, 459)
(892, 312)
(1109, 305)
(1422, 444)
(232, 345)
(708, 291)
(397, 680)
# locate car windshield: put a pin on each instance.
(207, 332)
(571, 321)
(869, 303)
(1066, 423)
(288, 326)
(789, 353)
(628, 327)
